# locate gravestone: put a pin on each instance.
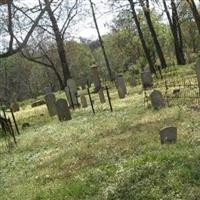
(63, 111)
(15, 106)
(157, 100)
(197, 66)
(71, 96)
(95, 77)
(101, 96)
(51, 104)
(38, 103)
(133, 81)
(72, 85)
(83, 101)
(147, 80)
(121, 86)
(47, 90)
(168, 135)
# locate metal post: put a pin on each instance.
(90, 98)
(109, 99)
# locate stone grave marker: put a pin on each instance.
(38, 103)
(71, 92)
(157, 100)
(168, 135)
(197, 67)
(63, 111)
(101, 96)
(147, 80)
(72, 85)
(51, 104)
(95, 77)
(121, 86)
(83, 101)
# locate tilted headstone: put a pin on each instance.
(168, 135)
(95, 77)
(38, 103)
(101, 96)
(83, 101)
(63, 110)
(47, 90)
(147, 80)
(157, 99)
(51, 104)
(121, 86)
(198, 72)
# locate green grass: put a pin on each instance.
(104, 156)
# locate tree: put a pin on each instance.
(195, 13)
(10, 13)
(101, 41)
(146, 9)
(141, 36)
(176, 31)
(53, 29)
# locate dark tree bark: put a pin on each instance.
(141, 36)
(195, 13)
(146, 10)
(101, 41)
(176, 32)
(59, 42)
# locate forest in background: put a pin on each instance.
(38, 48)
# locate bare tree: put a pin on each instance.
(51, 25)
(10, 14)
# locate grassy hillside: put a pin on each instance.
(104, 156)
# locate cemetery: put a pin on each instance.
(110, 117)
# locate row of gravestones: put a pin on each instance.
(57, 107)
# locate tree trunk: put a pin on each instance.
(141, 36)
(62, 85)
(195, 13)
(159, 51)
(101, 42)
(60, 43)
(176, 32)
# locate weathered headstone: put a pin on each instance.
(147, 80)
(198, 72)
(168, 135)
(47, 90)
(63, 111)
(71, 96)
(95, 77)
(72, 85)
(83, 101)
(157, 100)
(51, 104)
(101, 96)
(121, 86)
(38, 103)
